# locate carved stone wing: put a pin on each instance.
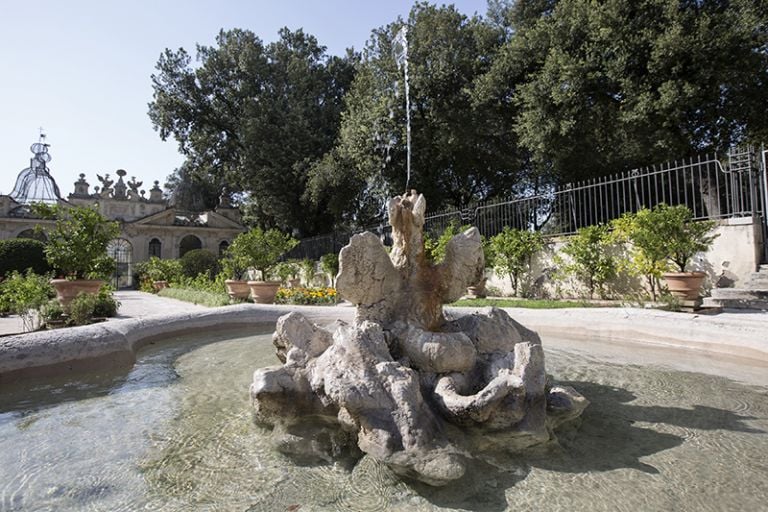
(366, 274)
(463, 265)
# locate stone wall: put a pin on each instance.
(734, 255)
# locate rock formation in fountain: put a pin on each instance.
(414, 388)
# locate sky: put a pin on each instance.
(80, 69)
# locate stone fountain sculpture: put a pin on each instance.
(418, 390)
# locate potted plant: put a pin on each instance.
(77, 251)
(664, 236)
(262, 250)
(287, 271)
(236, 267)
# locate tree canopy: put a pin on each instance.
(533, 94)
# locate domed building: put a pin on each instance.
(150, 225)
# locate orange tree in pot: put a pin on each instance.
(77, 250)
(262, 250)
(664, 237)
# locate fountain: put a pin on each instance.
(417, 390)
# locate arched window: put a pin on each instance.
(155, 248)
(223, 246)
(35, 235)
(189, 243)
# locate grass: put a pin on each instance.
(210, 299)
(531, 303)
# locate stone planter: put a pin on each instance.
(263, 292)
(685, 285)
(237, 290)
(67, 290)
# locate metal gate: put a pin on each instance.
(750, 163)
(122, 251)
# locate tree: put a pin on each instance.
(513, 251)
(613, 85)
(462, 151)
(254, 117)
(590, 258)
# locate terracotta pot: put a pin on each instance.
(685, 285)
(263, 292)
(159, 285)
(67, 290)
(237, 290)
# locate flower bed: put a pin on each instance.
(306, 296)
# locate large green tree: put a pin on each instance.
(462, 151)
(610, 85)
(253, 117)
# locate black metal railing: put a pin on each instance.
(710, 187)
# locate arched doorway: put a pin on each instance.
(188, 243)
(155, 248)
(122, 251)
(223, 246)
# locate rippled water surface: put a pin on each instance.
(175, 433)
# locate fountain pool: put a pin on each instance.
(175, 432)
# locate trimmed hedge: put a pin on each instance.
(22, 253)
(200, 261)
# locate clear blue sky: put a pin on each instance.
(80, 69)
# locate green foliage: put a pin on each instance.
(77, 245)
(254, 116)
(611, 85)
(590, 258)
(262, 249)
(201, 282)
(434, 248)
(660, 236)
(156, 269)
(513, 251)
(20, 254)
(199, 261)
(196, 296)
(530, 303)
(234, 266)
(330, 265)
(308, 268)
(81, 309)
(286, 270)
(24, 295)
(466, 149)
(106, 305)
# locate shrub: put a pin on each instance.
(330, 265)
(512, 253)
(25, 295)
(591, 261)
(77, 245)
(308, 270)
(20, 254)
(286, 270)
(262, 249)
(199, 261)
(106, 304)
(155, 269)
(81, 309)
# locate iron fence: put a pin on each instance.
(712, 188)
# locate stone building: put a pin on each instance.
(150, 225)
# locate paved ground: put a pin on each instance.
(740, 333)
(133, 304)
